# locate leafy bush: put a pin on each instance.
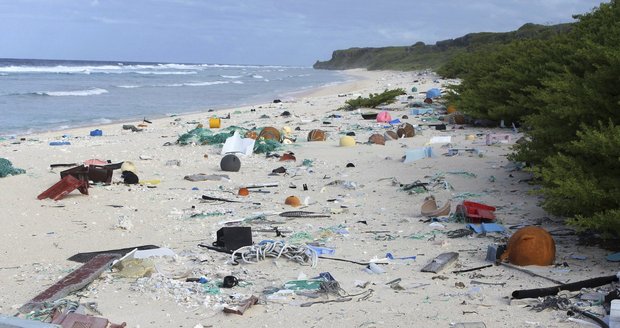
(374, 99)
(608, 223)
(566, 92)
(583, 181)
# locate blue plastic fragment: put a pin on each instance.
(486, 227)
(391, 257)
(59, 143)
(326, 276)
(613, 257)
(322, 250)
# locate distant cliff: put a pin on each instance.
(422, 56)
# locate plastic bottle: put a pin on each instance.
(478, 324)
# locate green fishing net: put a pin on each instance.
(194, 136)
(202, 136)
(6, 168)
(266, 146)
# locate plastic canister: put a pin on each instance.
(214, 123)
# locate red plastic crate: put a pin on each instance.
(63, 187)
(477, 212)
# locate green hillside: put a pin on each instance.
(422, 56)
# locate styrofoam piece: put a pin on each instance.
(440, 139)
(143, 254)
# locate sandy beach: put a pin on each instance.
(369, 215)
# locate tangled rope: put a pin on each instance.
(268, 248)
(48, 309)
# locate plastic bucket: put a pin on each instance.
(214, 123)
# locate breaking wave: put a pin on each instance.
(79, 93)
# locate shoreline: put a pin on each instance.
(293, 95)
(367, 213)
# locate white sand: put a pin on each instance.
(39, 236)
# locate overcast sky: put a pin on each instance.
(278, 32)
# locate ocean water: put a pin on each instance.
(48, 95)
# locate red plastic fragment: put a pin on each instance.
(476, 212)
(63, 187)
(75, 280)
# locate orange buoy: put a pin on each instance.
(530, 246)
(317, 135)
(377, 139)
(292, 201)
(287, 157)
(270, 133)
(251, 135)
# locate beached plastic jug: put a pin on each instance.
(214, 123)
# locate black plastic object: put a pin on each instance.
(230, 163)
(130, 177)
(230, 282)
(575, 286)
(233, 238)
(85, 257)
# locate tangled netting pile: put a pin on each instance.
(6, 168)
(202, 136)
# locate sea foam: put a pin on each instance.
(80, 93)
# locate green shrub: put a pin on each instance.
(607, 223)
(374, 99)
(566, 92)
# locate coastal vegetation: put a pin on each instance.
(423, 56)
(559, 84)
(374, 99)
(565, 93)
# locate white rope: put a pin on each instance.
(269, 248)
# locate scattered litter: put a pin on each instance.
(59, 143)
(374, 269)
(440, 140)
(391, 257)
(495, 138)
(299, 253)
(417, 154)
(207, 177)
(302, 214)
(486, 227)
(236, 144)
(441, 262)
(6, 168)
(242, 306)
(75, 280)
(615, 257)
(429, 208)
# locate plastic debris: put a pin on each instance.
(6, 168)
(236, 144)
(417, 154)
